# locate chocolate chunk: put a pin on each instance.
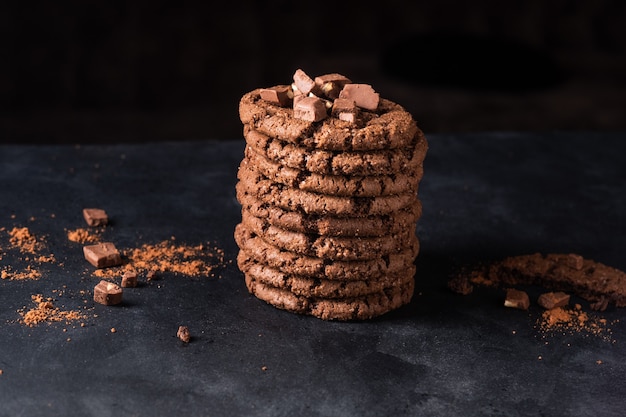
(345, 109)
(280, 95)
(551, 300)
(311, 109)
(129, 279)
(183, 334)
(330, 85)
(516, 299)
(303, 82)
(95, 217)
(102, 255)
(107, 293)
(363, 95)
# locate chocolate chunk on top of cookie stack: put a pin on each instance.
(329, 193)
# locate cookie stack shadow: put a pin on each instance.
(329, 209)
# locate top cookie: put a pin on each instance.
(389, 127)
(329, 112)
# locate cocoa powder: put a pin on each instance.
(46, 312)
(573, 320)
(83, 235)
(168, 257)
(29, 248)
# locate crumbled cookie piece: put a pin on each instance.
(461, 285)
(183, 334)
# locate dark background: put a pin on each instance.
(113, 71)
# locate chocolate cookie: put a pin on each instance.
(338, 185)
(385, 162)
(255, 247)
(390, 126)
(328, 247)
(586, 278)
(293, 199)
(340, 309)
(331, 225)
(301, 285)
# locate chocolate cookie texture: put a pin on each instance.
(328, 188)
(404, 160)
(255, 247)
(568, 272)
(340, 185)
(296, 221)
(390, 126)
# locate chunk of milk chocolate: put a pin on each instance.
(311, 109)
(102, 255)
(363, 95)
(107, 293)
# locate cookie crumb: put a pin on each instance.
(183, 334)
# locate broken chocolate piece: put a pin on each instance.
(345, 109)
(330, 85)
(303, 82)
(107, 293)
(280, 95)
(95, 217)
(129, 279)
(363, 95)
(102, 255)
(311, 109)
(183, 334)
(551, 300)
(516, 299)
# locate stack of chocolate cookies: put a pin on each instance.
(329, 193)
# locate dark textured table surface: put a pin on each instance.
(485, 196)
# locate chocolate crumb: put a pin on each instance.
(151, 275)
(461, 285)
(601, 305)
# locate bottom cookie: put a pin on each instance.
(342, 309)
